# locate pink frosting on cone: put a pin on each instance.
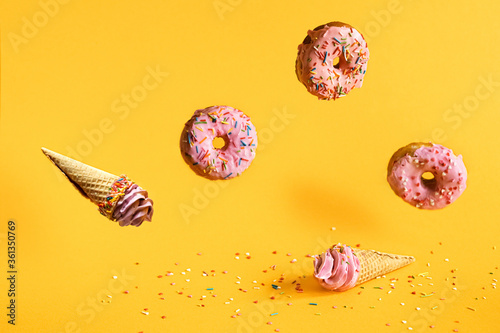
(337, 268)
(134, 207)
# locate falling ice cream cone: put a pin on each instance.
(117, 197)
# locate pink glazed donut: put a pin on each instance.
(332, 60)
(228, 161)
(446, 172)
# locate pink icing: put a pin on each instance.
(225, 122)
(337, 268)
(450, 176)
(134, 207)
(315, 68)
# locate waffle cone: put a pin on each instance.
(92, 183)
(374, 263)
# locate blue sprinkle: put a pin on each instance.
(228, 175)
(239, 162)
(336, 40)
(242, 143)
(195, 163)
(275, 286)
(274, 314)
(210, 288)
(313, 303)
(196, 148)
(357, 60)
(326, 54)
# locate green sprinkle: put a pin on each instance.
(378, 288)
(313, 303)
(318, 314)
(434, 308)
(372, 307)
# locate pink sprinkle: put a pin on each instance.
(224, 272)
(269, 322)
(387, 324)
(176, 263)
(277, 330)
(334, 307)
(432, 326)
(125, 291)
(199, 253)
(163, 317)
(288, 254)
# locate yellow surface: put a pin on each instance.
(65, 81)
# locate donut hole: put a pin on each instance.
(336, 62)
(219, 142)
(428, 180)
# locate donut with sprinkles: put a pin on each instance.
(427, 175)
(232, 128)
(332, 60)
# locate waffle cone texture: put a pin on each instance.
(374, 263)
(92, 183)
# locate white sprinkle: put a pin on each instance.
(418, 309)
(402, 303)
(447, 259)
(403, 321)
(115, 277)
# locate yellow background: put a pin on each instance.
(319, 165)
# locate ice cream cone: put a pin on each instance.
(117, 197)
(374, 263)
(341, 267)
